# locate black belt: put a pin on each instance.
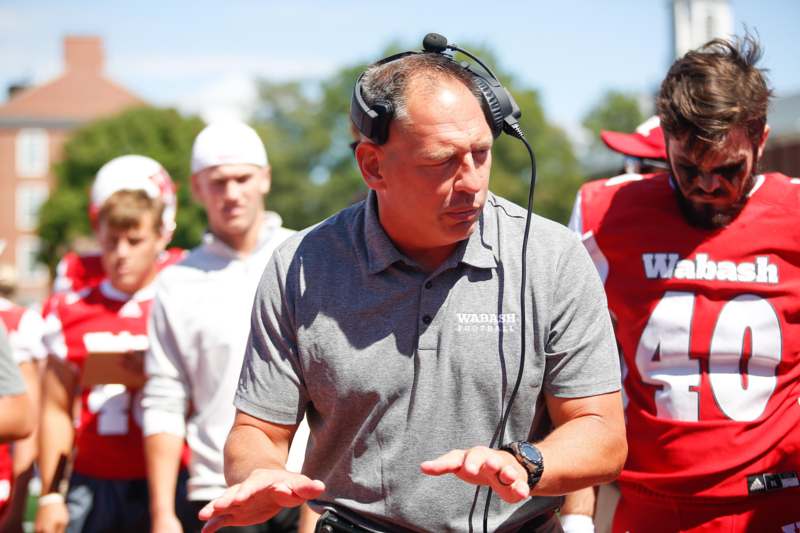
(332, 521)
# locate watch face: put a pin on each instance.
(530, 452)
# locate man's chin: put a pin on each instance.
(708, 216)
(463, 230)
(124, 284)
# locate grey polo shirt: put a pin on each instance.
(394, 366)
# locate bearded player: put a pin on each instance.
(108, 486)
(702, 270)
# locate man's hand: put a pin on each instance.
(258, 498)
(484, 466)
(51, 518)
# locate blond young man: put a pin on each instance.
(107, 487)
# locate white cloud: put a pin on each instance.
(231, 97)
(183, 66)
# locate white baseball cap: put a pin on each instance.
(133, 173)
(227, 142)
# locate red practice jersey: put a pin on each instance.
(108, 435)
(708, 322)
(6, 477)
(76, 272)
(25, 329)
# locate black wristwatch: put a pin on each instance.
(529, 457)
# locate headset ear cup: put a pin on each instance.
(493, 109)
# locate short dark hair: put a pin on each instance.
(389, 82)
(123, 210)
(712, 90)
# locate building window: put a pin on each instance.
(28, 269)
(33, 153)
(29, 200)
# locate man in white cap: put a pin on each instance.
(200, 323)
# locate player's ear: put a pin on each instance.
(763, 141)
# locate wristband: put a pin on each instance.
(577, 523)
(53, 497)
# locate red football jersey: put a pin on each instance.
(76, 272)
(6, 477)
(25, 329)
(708, 322)
(108, 435)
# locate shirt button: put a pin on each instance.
(428, 284)
(427, 319)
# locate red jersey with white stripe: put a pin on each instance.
(708, 321)
(6, 477)
(108, 430)
(25, 328)
(76, 272)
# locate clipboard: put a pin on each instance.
(103, 368)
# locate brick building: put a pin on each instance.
(34, 124)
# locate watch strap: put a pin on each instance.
(534, 468)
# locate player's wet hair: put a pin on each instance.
(124, 210)
(712, 90)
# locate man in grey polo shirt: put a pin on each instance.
(394, 327)
(16, 414)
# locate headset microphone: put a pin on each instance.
(433, 42)
(502, 114)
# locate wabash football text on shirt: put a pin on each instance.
(708, 321)
(108, 431)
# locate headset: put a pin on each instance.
(502, 111)
(503, 114)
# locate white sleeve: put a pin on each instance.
(576, 218)
(27, 341)
(62, 282)
(297, 450)
(53, 336)
(588, 238)
(165, 395)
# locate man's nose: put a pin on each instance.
(469, 179)
(123, 248)
(231, 189)
(708, 182)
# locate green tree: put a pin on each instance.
(307, 131)
(615, 111)
(162, 134)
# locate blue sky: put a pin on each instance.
(201, 56)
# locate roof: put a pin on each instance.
(82, 93)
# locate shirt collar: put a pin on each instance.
(480, 248)
(381, 251)
(272, 221)
(477, 251)
(142, 295)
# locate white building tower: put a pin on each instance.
(695, 22)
